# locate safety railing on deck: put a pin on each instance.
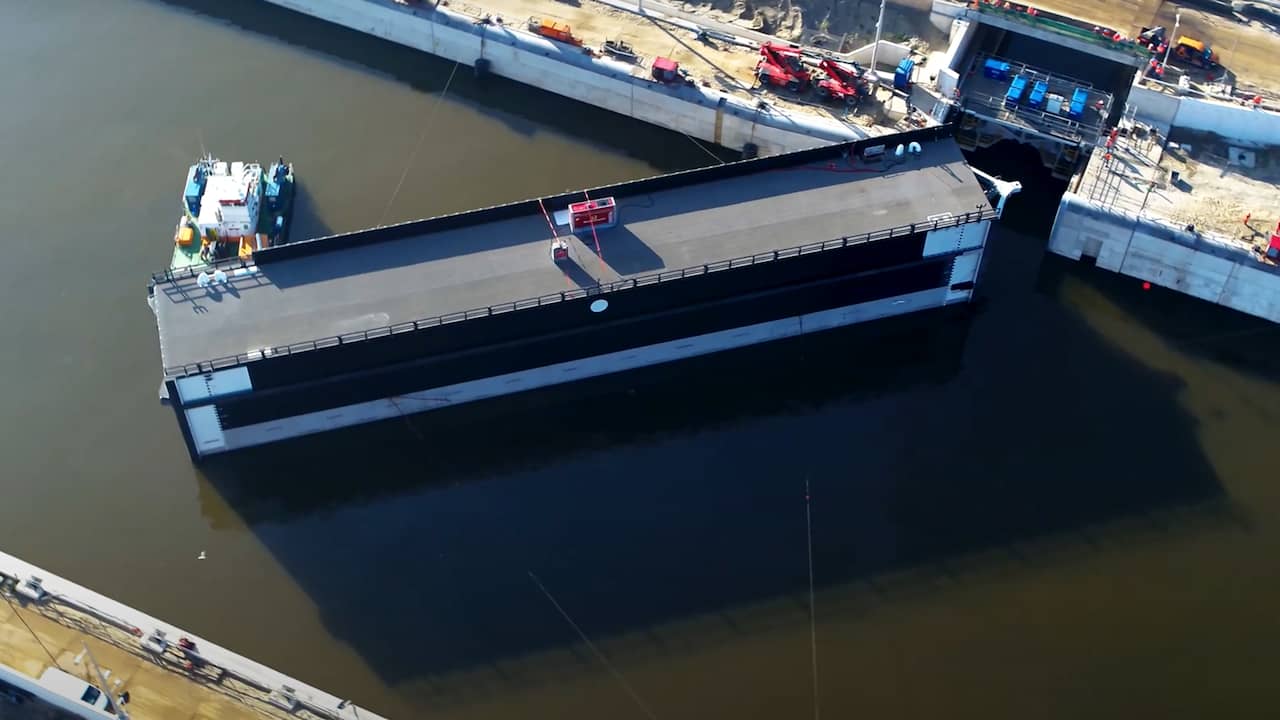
(977, 215)
(1037, 119)
(994, 107)
(1060, 24)
(185, 273)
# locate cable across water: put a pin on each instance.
(421, 137)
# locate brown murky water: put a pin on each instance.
(1062, 504)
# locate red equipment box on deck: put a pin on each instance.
(597, 214)
(665, 69)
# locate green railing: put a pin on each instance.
(1063, 25)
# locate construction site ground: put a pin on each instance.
(1212, 192)
(717, 64)
(34, 639)
(1216, 194)
(1248, 46)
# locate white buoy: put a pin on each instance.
(220, 276)
(914, 148)
(899, 151)
(599, 306)
(203, 279)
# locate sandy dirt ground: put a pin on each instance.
(837, 24)
(1211, 192)
(30, 641)
(717, 64)
(725, 66)
(1250, 50)
(1215, 195)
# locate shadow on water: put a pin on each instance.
(1247, 344)
(523, 109)
(1030, 212)
(552, 426)
(677, 491)
(307, 221)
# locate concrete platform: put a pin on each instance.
(986, 96)
(1213, 193)
(1128, 215)
(71, 628)
(475, 266)
(1247, 49)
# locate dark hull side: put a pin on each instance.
(347, 384)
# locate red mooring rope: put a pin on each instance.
(599, 252)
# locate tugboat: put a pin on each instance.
(232, 210)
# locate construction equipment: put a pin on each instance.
(1079, 97)
(1035, 100)
(559, 251)
(1152, 38)
(782, 66)
(1196, 53)
(620, 49)
(902, 74)
(840, 82)
(1017, 88)
(593, 215)
(666, 70)
(553, 30)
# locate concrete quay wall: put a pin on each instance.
(1167, 256)
(513, 53)
(312, 701)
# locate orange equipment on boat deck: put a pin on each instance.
(249, 244)
(554, 30)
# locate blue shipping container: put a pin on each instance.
(1016, 88)
(996, 70)
(195, 188)
(1036, 98)
(902, 76)
(1078, 99)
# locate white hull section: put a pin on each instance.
(606, 84)
(209, 437)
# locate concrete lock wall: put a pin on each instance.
(1235, 122)
(1164, 256)
(702, 113)
(1230, 121)
(890, 54)
(1154, 107)
(962, 34)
